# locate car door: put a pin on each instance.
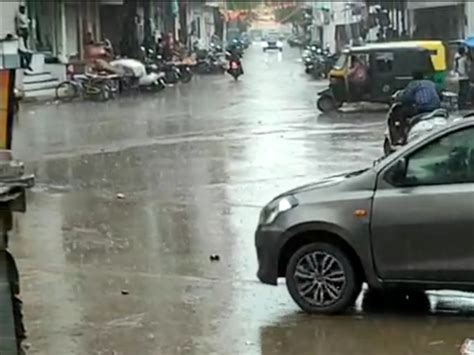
(423, 213)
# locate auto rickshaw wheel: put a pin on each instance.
(327, 104)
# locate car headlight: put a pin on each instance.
(271, 212)
(279, 44)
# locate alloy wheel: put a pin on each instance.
(320, 278)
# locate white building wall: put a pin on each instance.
(209, 25)
(72, 29)
(204, 18)
(340, 13)
(469, 8)
(8, 10)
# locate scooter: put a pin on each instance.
(401, 130)
(146, 78)
(212, 62)
(235, 69)
(185, 73)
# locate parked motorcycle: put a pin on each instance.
(319, 63)
(136, 74)
(316, 67)
(185, 72)
(211, 62)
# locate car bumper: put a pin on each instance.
(267, 243)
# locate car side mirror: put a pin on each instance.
(397, 173)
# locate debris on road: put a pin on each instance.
(121, 196)
(125, 292)
(215, 257)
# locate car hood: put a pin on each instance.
(326, 182)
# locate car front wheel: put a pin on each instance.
(321, 279)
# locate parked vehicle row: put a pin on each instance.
(318, 62)
(151, 74)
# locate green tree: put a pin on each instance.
(242, 5)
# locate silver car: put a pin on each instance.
(406, 223)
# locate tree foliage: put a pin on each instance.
(242, 5)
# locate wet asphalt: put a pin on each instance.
(134, 195)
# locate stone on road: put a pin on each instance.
(135, 195)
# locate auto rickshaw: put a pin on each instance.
(389, 68)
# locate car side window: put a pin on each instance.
(448, 160)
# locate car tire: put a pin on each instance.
(335, 292)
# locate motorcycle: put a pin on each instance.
(211, 62)
(185, 73)
(316, 67)
(401, 129)
(319, 63)
(235, 69)
(137, 75)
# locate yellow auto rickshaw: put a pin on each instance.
(388, 68)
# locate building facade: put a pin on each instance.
(8, 9)
(337, 24)
(445, 20)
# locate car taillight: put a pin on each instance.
(234, 65)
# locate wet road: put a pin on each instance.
(104, 275)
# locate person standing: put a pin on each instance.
(462, 70)
(22, 25)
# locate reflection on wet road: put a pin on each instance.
(106, 275)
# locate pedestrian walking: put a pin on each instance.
(462, 71)
(22, 25)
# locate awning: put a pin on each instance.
(469, 42)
